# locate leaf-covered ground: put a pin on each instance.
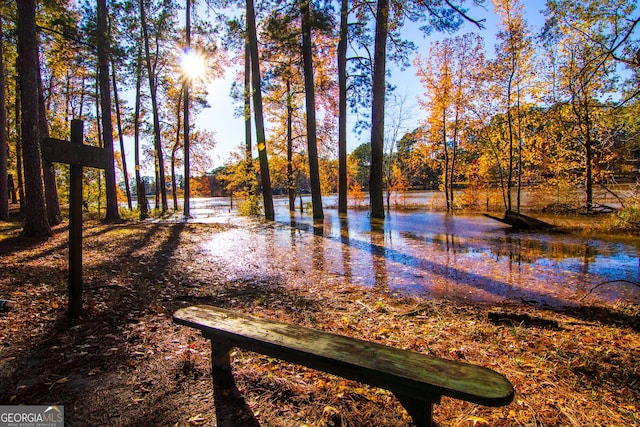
(124, 363)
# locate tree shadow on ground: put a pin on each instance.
(68, 360)
(247, 293)
(101, 366)
(17, 243)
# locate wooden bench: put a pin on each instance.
(417, 380)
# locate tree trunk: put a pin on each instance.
(388, 193)
(342, 109)
(141, 195)
(249, 171)
(67, 97)
(580, 106)
(584, 121)
(312, 142)
(157, 180)
(19, 165)
(120, 135)
(510, 167)
(588, 145)
(454, 154)
(174, 150)
(520, 146)
(174, 191)
(519, 183)
(82, 93)
(36, 223)
(4, 179)
(105, 101)
(187, 173)
(12, 190)
(445, 148)
(99, 137)
(376, 184)
(510, 128)
(452, 175)
(497, 155)
(265, 177)
(52, 202)
(153, 88)
(247, 99)
(291, 182)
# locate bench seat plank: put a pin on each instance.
(409, 375)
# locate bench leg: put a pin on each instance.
(220, 359)
(420, 410)
(231, 408)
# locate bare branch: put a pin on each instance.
(476, 22)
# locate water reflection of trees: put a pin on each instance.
(345, 248)
(514, 248)
(379, 256)
(318, 246)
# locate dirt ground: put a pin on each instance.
(124, 363)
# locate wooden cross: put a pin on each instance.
(77, 155)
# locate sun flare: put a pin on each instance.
(192, 64)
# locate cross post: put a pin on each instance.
(76, 155)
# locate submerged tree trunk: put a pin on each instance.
(265, 176)
(342, 109)
(312, 142)
(36, 223)
(376, 182)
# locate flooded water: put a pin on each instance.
(428, 254)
